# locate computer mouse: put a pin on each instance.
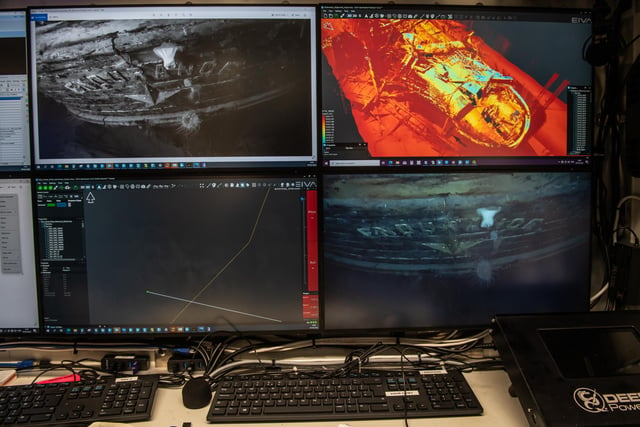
(196, 393)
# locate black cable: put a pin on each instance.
(171, 380)
(405, 400)
(636, 240)
(357, 359)
(51, 369)
(76, 369)
(607, 180)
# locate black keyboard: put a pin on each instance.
(365, 395)
(80, 402)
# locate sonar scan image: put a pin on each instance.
(438, 88)
(173, 88)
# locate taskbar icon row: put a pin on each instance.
(123, 166)
(458, 162)
(128, 330)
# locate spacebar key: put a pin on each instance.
(270, 410)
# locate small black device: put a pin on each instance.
(573, 369)
(196, 393)
(125, 362)
(180, 362)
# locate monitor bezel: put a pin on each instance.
(429, 164)
(168, 165)
(429, 330)
(175, 335)
(26, 331)
(17, 170)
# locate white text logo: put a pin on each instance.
(589, 400)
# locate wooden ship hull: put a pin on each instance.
(155, 72)
(452, 225)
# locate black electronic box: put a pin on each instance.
(579, 369)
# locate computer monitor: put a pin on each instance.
(18, 296)
(434, 86)
(15, 151)
(165, 87)
(419, 251)
(177, 255)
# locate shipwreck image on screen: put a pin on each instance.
(444, 87)
(418, 251)
(173, 88)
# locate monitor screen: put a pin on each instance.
(418, 251)
(165, 87)
(18, 296)
(429, 86)
(178, 255)
(15, 152)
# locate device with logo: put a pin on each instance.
(573, 369)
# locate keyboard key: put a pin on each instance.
(299, 410)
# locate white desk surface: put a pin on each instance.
(491, 388)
